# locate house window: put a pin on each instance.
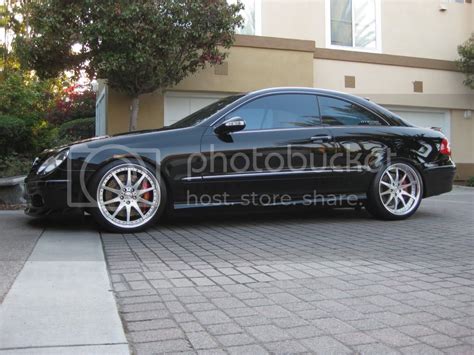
(251, 15)
(355, 24)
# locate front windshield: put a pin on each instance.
(199, 116)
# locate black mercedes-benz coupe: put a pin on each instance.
(281, 146)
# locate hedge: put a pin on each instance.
(14, 135)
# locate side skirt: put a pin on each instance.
(344, 200)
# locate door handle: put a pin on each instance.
(321, 138)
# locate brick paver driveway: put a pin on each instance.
(314, 282)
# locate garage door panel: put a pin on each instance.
(181, 104)
(426, 118)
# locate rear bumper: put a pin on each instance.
(439, 180)
(45, 197)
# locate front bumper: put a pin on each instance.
(439, 180)
(46, 196)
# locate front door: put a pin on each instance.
(282, 152)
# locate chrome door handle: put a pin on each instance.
(321, 138)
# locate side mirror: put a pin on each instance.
(233, 124)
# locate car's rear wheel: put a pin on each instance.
(396, 192)
(129, 196)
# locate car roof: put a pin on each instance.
(308, 90)
(365, 102)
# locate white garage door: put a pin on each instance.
(180, 104)
(439, 119)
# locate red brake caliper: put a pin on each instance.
(147, 195)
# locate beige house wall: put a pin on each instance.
(418, 28)
(415, 28)
(393, 85)
(248, 69)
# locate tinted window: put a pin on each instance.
(199, 116)
(335, 112)
(279, 111)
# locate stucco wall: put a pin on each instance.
(248, 69)
(150, 114)
(417, 28)
(392, 85)
(462, 131)
(409, 27)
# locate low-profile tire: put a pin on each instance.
(129, 196)
(396, 191)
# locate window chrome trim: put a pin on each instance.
(281, 129)
(317, 95)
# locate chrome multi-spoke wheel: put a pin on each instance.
(400, 189)
(396, 192)
(128, 196)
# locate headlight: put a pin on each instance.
(53, 162)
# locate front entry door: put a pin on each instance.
(282, 151)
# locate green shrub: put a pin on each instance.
(14, 165)
(80, 128)
(470, 181)
(14, 135)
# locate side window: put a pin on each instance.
(280, 111)
(336, 112)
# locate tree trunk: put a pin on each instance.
(134, 114)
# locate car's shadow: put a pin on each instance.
(78, 221)
(264, 214)
(188, 218)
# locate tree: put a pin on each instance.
(138, 46)
(466, 62)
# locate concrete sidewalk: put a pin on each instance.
(17, 240)
(61, 301)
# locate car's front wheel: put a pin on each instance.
(396, 192)
(129, 196)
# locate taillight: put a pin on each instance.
(445, 149)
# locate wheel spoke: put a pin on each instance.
(114, 200)
(403, 201)
(119, 208)
(389, 199)
(115, 191)
(139, 181)
(146, 202)
(386, 183)
(144, 191)
(390, 177)
(119, 182)
(138, 209)
(403, 178)
(410, 196)
(397, 175)
(129, 177)
(386, 193)
(129, 211)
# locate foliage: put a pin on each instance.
(466, 61)
(137, 46)
(14, 165)
(78, 129)
(23, 96)
(470, 181)
(74, 103)
(13, 135)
